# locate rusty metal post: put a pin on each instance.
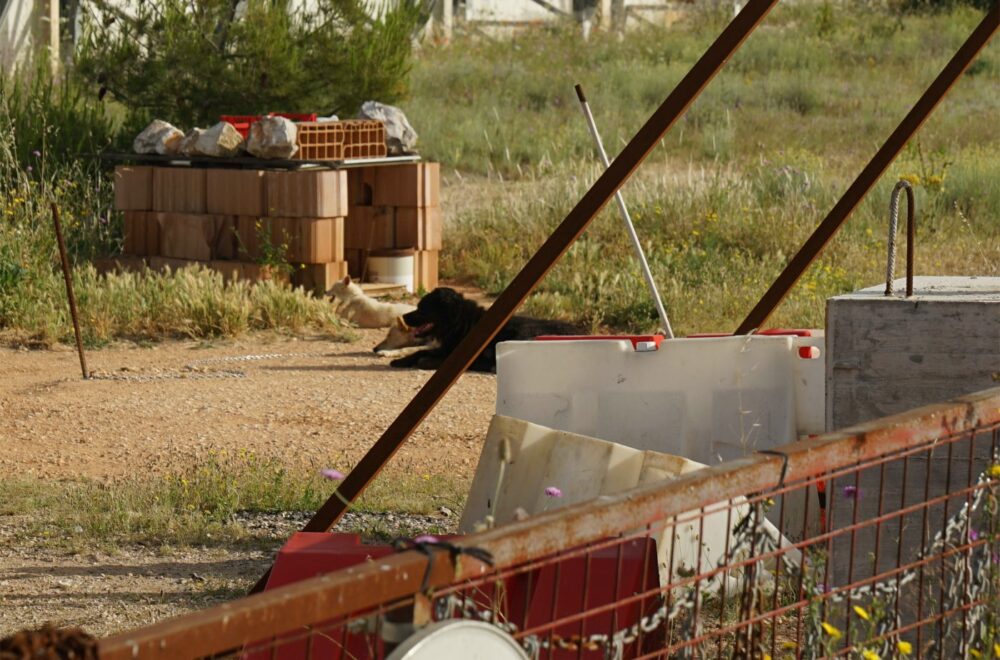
(68, 275)
(544, 259)
(873, 170)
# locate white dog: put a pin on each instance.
(364, 311)
(401, 340)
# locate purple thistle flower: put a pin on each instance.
(36, 153)
(852, 492)
(30, 168)
(332, 475)
(552, 491)
(426, 538)
(973, 535)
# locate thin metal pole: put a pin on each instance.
(629, 227)
(548, 254)
(67, 275)
(873, 170)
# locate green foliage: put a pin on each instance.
(188, 63)
(738, 184)
(46, 120)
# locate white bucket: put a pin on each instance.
(391, 266)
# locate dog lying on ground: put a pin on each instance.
(402, 340)
(362, 310)
(447, 316)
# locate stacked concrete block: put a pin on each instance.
(235, 220)
(395, 207)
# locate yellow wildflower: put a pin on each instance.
(994, 471)
(975, 654)
(904, 648)
(912, 179)
(832, 631)
(996, 650)
(860, 611)
(935, 180)
(870, 655)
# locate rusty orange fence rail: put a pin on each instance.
(883, 539)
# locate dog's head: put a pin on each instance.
(400, 336)
(434, 312)
(344, 290)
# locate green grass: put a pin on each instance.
(197, 506)
(738, 184)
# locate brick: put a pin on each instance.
(418, 227)
(248, 236)
(133, 188)
(370, 228)
(230, 270)
(235, 192)
(411, 184)
(134, 233)
(306, 194)
(196, 236)
(425, 270)
(179, 189)
(119, 264)
(310, 240)
(318, 278)
(152, 234)
(361, 186)
(162, 264)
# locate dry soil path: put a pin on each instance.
(304, 401)
(308, 402)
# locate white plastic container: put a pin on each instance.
(391, 266)
(520, 460)
(706, 399)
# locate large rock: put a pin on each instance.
(273, 137)
(400, 138)
(187, 145)
(159, 137)
(220, 141)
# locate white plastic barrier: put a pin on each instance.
(520, 460)
(706, 399)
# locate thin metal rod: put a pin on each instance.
(68, 276)
(558, 242)
(626, 217)
(878, 164)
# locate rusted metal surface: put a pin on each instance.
(68, 276)
(544, 259)
(870, 174)
(590, 527)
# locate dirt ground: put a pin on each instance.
(312, 402)
(304, 401)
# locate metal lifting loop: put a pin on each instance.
(910, 236)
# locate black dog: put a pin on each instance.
(447, 316)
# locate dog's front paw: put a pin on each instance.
(403, 362)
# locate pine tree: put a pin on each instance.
(189, 61)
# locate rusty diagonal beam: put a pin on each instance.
(873, 170)
(548, 254)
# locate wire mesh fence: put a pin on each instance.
(879, 542)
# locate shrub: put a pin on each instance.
(191, 62)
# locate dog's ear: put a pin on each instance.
(347, 280)
(401, 324)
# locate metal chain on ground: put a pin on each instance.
(172, 374)
(191, 370)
